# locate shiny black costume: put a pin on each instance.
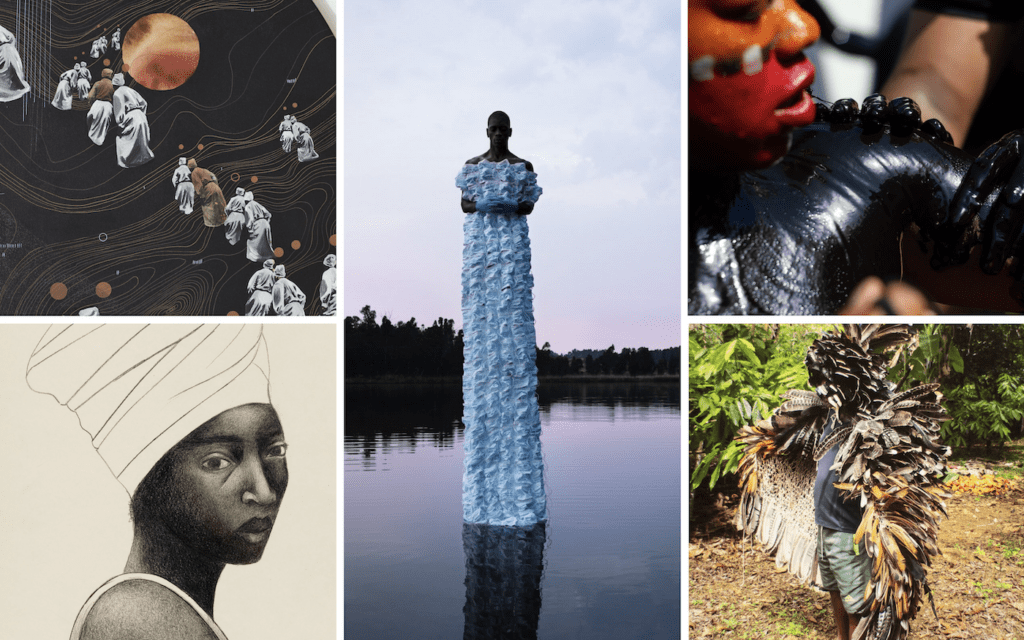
(797, 237)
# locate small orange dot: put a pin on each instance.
(285, 108)
(279, 252)
(296, 244)
(76, 57)
(254, 179)
(295, 105)
(199, 146)
(232, 313)
(58, 291)
(180, 147)
(333, 240)
(106, 62)
(125, 67)
(103, 289)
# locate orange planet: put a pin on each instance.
(161, 51)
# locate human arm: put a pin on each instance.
(947, 64)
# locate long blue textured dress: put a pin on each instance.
(503, 483)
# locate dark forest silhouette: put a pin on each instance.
(408, 349)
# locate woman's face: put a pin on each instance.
(748, 80)
(227, 481)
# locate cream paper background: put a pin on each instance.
(64, 524)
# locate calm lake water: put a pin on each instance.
(606, 565)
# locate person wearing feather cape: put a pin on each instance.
(887, 460)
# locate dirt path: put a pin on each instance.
(978, 582)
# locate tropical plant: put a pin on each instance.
(737, 373)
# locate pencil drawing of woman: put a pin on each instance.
(183, 418)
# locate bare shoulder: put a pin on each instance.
(144, 610)
(475, 159)
(522, 161)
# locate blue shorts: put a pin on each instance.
(845, 567)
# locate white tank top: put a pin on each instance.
(76, 631)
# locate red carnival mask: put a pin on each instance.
(748, 79)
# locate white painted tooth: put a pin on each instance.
(752, 62)
(703, 68)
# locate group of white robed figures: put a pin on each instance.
(99, 45)
(242, 211)
(295, 133)
(111, 101)
(269, 288)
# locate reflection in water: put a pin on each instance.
(504, 566)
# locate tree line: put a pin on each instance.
(409, 349)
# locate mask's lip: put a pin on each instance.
(796, 108)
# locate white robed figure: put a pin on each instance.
(304, 141)
(130, 115)
(287, 136)
(503, 481)
(184, 192)
(260, 245)
(329, 286)
(261, 291)
(12, 73)
(288, 298)
(235, 224)
(84, 81)
(115, 39)
(66, 85)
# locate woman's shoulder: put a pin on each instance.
(144, 610)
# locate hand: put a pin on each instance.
(872, 297)
(494, 205)
(998, 167)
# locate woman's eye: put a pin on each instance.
(277, 450)
(216, 463)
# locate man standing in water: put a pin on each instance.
(503, 482)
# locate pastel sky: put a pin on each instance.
(593, 91)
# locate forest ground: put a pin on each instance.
(736, 592)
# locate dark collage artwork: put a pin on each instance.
(78, 231)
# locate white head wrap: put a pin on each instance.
(182, 160)
(138, 391)
(279, 271)
(239, 191)
(248, 196)
(331, 260)
(118, 80)
(268, 264)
